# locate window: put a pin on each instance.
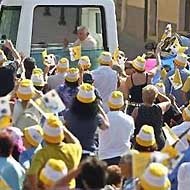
(9, 21)
(54, 25)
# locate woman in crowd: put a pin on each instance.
(150, 113)
(83, 118)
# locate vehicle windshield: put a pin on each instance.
(9, 21)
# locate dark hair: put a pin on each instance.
(114, 175)
(40, 88)
(29, 65)
(84, 111)
(93, 173)
(6, 145)
(72, 84)
(145, 149)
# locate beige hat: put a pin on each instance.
(116, 100)
(146, 136)
(139, 63)
(53, 171)
(72, 75)
(155, 177)
(63, 65)
(105, 58)
(86, 93)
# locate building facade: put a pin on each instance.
(146, 19)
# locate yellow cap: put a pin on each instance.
(116, 100)
(63, 65)
(155, 178)
(86, 93)
(34, 135)
(53, 171)
(72, 75)
(53, 130)
(146, 136)
(25, 90)
(105, 58)
(84, 62)
(139, 63)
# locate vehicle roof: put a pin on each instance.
(55, 2)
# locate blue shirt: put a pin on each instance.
(173, 175)
(177, 93)
(12, 172)
(67, 94)
(25, 157)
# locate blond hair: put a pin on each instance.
(149, 93)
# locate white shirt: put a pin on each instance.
(115, 141)
(87, 44)
(178, 130)
(105, 80)
(56, 80)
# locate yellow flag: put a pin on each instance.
(186, 86)
(140, 163)
(3, 184)
(44, 53)
(116, 54)
(75, 53)
(163, 74)
(176, 80)
(171, 137)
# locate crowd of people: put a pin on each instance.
(114, 118)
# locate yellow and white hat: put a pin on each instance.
(181, 59)
(84, 62)
(186, 113)
(25, 90)
(116, 100)
(155, 178)
(37, 77)
(161, 87)
(139, 63)
(63, 65)
(146, 136)
(34, 135)
(53, 130)
(105, 58)
(3, 57)
(53, 171)
(72, 75)
(86, 93)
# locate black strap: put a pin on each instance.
(146, 78)
(132, 80)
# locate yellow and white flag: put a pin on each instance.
(44, 54)
(176, 80)
(75, 53)
(186, 86)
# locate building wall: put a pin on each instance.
(168, 12)
(135, 18)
